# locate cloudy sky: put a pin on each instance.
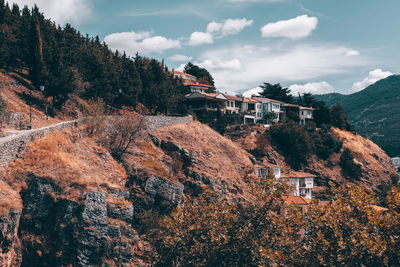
(317, 46)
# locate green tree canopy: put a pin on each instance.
(276, 92)
(201, 73)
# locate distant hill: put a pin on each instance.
(374, 112)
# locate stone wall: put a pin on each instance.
(155, 122)
(10, 146)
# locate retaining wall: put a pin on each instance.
(10, 146)
(155, 122)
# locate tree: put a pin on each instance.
(294, 142)
(350, 166)
(339, 118)
(270, 117)
(201, 74)
(276, 92)
(208, 231)
(3, 105)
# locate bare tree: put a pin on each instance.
(120, 134)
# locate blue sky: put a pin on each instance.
(316, 46)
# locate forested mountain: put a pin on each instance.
(65, 62)
(374, 112)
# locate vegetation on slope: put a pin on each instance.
(271, 232)
(66, 62)
(374, 112)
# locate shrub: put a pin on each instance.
(294, 142)
(3, 105)
(94, 110)
(350, 166)
(120, 133)
(326, 143)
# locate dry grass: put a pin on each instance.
(118, 200)
(9, 199)
(217, 156)
(11, 95)
(70, 160)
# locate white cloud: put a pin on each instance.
(198, 38)
(220, 64)
(316, 88)
(254, 91)
(296, 28)
(373, 77)
(61, 11)
(288, 64)
(352, 53)
(180, 67)
(219, 30)
(180, 58)
(140, 42)
(234, 26)
(214, 27)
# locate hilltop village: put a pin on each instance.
(239, 109)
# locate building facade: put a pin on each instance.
(302, 183)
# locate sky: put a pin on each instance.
(317, 46)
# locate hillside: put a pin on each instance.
(374, 112)
(70, 202)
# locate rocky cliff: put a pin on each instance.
(65, 201)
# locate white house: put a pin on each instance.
(302, 182)
(305, 114)
(262, 170)
(268, 106)
(251, 110)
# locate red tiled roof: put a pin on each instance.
(297, 200)
(183, 73)
(189, 83)
(268, 99)
(208, 95)
(230, 97)
(250, 100)
(300, 175)
(378, 208)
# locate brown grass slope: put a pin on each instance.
(213, 156)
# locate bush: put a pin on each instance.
(326, 143)
(3, 105)
(350, 166)
(120, 134)
(294, 142)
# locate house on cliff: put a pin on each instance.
(239, 110)
(302, 182)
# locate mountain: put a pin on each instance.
(374, 112)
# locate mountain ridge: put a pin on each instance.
(374, 112)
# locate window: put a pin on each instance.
(302, 113)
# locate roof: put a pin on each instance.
(189, 83)
(300, 175)
(230, 97)
(297, 200)
(183, 73)
(267, 99)
(202, 95)
(250, 100)
(309, 108)
(378, 208)
(291, 105)
(296, 106)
